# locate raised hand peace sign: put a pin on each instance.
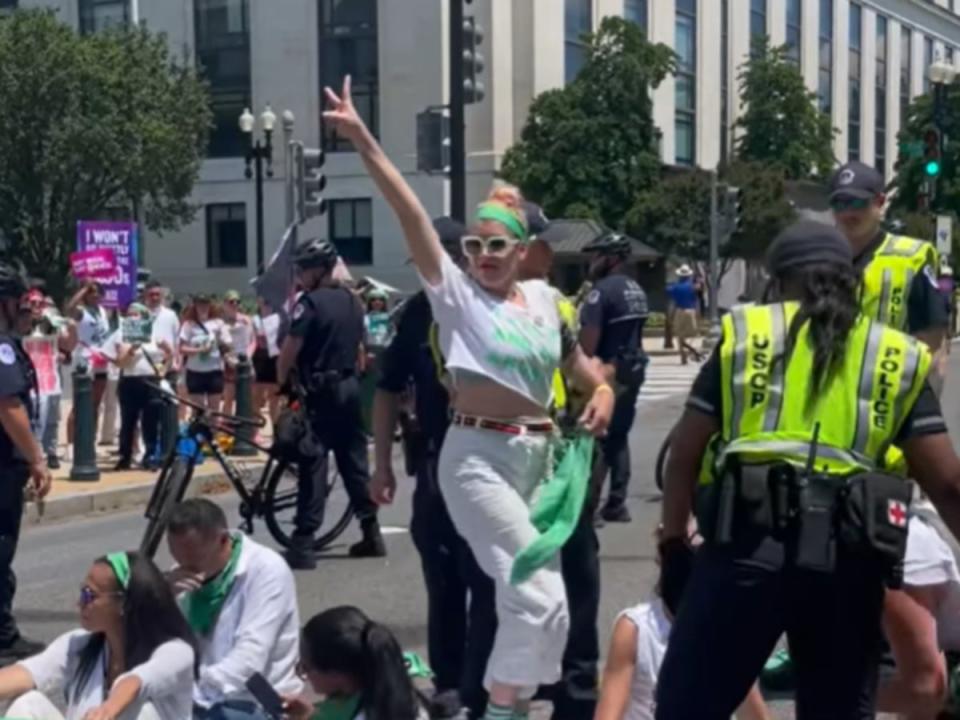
(342, 114)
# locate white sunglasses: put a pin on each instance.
(498, 245)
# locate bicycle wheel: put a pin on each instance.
(661, 464)
(280, 506)
(169, 490)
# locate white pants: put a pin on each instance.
(489, 481)
(34, 705)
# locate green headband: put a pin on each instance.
(120, 564)
(498, 213)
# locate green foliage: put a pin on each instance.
(91, 124)
(674, 216)
(588, 149)
(781, 122)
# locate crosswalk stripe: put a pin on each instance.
(666, 379)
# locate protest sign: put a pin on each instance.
(43, 354)
(93, 264)
(119, 289)
(136, 331)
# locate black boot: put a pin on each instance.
(372, 544)
(301, 555)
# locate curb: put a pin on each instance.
(104, 502)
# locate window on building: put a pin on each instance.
(7, 7)
(906, 70)
(927, 62)
(351, 230)
(100, 15)
(223, 53)
(825, 57)
(227, 235)
(636, 11)
(685, 46)
(578, 21)
(758, 21)
(880, 98)
(348, 46)
(853, 114)
(794, 31)
(948, 55)
(724, 81)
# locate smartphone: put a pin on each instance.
(266, 696)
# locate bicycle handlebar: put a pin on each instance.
(207, 412)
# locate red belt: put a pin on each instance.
(510, 428)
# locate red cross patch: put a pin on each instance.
(896, 513)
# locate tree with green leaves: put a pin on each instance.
(911, 178)
(91, 124)
(674, 216)
(781, 124)
(588, 149)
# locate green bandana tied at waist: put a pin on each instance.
(202, 606)
(337, 708)
(557, 510)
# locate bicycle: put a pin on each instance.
(661, 464)
(272, 497)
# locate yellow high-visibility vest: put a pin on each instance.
(889, 275)
(769, 415)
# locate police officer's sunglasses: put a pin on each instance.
(842, 204)
(498, 245)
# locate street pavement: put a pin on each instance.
(53, 559)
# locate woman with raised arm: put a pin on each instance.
(502, 341)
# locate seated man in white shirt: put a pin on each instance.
(241, 601)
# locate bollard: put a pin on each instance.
(244, 395)
(170, 421)
(84, 429)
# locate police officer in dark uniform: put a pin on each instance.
(611, 329)
(325, 344)
(461, 613)
(22, 464)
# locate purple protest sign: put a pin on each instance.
(120, 289)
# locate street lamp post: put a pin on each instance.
(257, 153)
(941, 74)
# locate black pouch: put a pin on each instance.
(631, 369)
(413, 441)
(816, 542)
(290, 430)
(874, 517)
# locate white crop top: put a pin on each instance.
(516, 347)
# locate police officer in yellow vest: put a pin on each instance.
(786, 430)
(899, 273)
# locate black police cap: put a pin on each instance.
(856, 180)
(808, 243)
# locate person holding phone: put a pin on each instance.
(241, 601)
(143, 362)
(133, 657)
(203, 337)
(357, 666)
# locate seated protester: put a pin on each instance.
(639, 642)
(241, 601)
(921, 622)
(357, 666)
(133, 660)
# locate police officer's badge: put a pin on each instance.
(298, 311)
(7, 355)
(931, 276)
(846, 177)
(593, 297)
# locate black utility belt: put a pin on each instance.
(323, 379)
(815, 516)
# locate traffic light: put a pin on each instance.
(433, 140)
(932, 163)
(734, 210)
(310, 181)
(473, 62)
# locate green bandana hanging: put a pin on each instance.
(337, 708)
(202, 606)
(558, 508)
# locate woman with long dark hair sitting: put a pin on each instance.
(133, 660)
(357, 666)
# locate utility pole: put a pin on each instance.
(288, 180)
(458, 156)
(714, 270)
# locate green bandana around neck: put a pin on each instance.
(557, 510)
(498, 213)
(203, 605)
(337, 708)
(119, 562)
